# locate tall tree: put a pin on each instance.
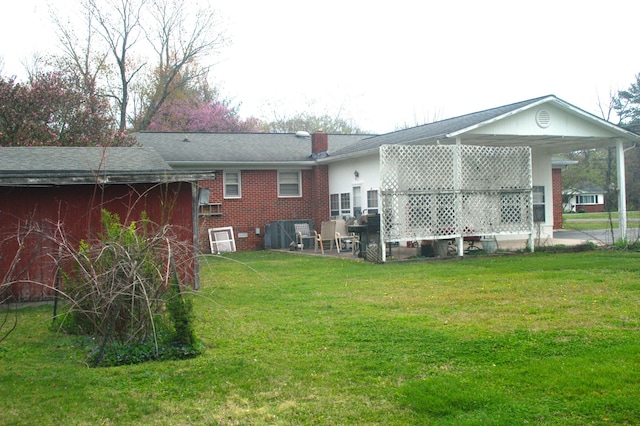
(627, 106)
(310, 123)
(180, 38)
(118, 22)
(51, 110)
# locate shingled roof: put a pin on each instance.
(465, 124)
(73, 165)
(246, 149)
(437, 129)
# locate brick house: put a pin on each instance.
(260, 177)
(585, 198)
(267, 177)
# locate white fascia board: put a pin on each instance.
(356, 154)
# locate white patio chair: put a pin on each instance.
(302, 233)
(343, 237)
(327, 233)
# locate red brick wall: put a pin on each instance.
(590, 208)
(556, 179)
(260, 205)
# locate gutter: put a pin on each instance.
(270, 165)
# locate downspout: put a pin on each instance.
(622, 192)
(195, 204)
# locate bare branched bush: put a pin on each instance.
(117, 284)
(12, 275)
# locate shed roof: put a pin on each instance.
(77, 165)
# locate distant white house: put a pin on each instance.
(584, 198)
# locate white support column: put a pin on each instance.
(457, 177)
(622, 190)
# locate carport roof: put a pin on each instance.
(446, 131)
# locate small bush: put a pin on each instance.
(124, 291)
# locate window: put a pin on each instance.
(538, 204)
(334, 205)
(232, 188)
(345, 203)
(372, 201)
(289, 184)
(357, 201)
(340, 204)
(586, 199)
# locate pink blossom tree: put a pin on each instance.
(51, 110)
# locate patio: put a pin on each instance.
(403, 252)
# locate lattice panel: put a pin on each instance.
(488, 168)
(451, 190)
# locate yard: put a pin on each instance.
(537, 338)
(592, 221)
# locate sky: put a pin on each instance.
(386, 65)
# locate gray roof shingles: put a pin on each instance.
(61, 160)
(238, 147)
(435, 130)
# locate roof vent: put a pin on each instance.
(543, 118)
(302, 134)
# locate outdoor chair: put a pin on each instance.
(327, 233)
(343, 237)
(302, 233)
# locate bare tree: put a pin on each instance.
(119, 23)
(81, 58)
(180, 40)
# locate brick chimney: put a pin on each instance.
(319, 144)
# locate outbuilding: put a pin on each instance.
(53, 193)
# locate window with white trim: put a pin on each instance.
(232, 184)
(340, 204)
(586, 199)
(289, 183)
(345, 203)
(334, 205)
(372, 201)
(538, 204)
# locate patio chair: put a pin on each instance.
(327, 233)
(343, 237)
(302, 233)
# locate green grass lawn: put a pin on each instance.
(603, 215)
(593, 221)
(549, 339)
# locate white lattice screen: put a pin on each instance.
(444, 191)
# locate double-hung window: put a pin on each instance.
(232, 184)
(340, 204)
(289, 183)
(345, 204)
(372, 201)
(334, 205)
(538, 204)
